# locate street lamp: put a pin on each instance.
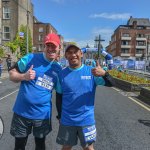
(146, 54)
(27, 39)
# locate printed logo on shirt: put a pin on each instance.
(85, 77)
(45, 82)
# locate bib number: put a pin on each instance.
(90, 133)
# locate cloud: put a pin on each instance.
(112, 16)
(105, 35)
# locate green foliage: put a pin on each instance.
(2, 54)
(21, 42)
(12, 45)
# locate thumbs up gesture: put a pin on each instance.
(30, 74)
(98, 71)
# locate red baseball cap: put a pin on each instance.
(52, 38)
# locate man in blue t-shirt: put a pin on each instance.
(38, 76)
(76, 114)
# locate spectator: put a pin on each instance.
(1, 66)
(8, 61)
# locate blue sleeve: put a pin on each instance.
(22, 63)
(58, 86)
(99, 81)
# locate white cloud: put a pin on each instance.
(104, 32)
(113, 16)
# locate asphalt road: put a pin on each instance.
(122, 124)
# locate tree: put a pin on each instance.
(20, 42)
(2, 54)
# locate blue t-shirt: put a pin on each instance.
(34, 96)
(78, 89)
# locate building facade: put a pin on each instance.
(40, 30)
(131, 41)
(13, 14)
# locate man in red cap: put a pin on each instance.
(37, 74)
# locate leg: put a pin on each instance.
(87, 136)
(20, 143)
(66, 148)
(20, 129)
(89, 147)
(67, 136)
(39, 143)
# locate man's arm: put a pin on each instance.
(109, 81)
(99, 72)
(58, 105)
(16, 76)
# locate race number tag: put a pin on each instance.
(90, 133)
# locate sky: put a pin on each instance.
(81, 21)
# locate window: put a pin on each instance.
(125, 34)
(140, 35)
(6, 33)
(6, 13)
(40, 48)
(124, 42)
(139, 51)
(40, 37)
(123, 50)
(141, 43)
(41, 29)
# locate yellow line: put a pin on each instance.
(145, 107)
(115, 89)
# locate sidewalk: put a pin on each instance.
(4, 74)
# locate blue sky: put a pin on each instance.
(82, 20)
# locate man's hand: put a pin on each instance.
(30, 74)
(98, 71)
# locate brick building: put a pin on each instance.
(40, 30)
(131, 41)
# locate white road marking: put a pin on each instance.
(115, 89)
(145, 107)
(8, 95)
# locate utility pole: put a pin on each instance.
(98, 39)
(27, 39)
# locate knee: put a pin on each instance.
(66, 148)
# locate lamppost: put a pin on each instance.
(98, 40)
(27, 39)
(146, 55)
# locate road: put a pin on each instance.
(123, 122)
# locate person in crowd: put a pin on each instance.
(76, 110)
(8, 61)
(105, 67)
(120, 68)
(1, 66)
(38, 76)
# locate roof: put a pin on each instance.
(139, 21)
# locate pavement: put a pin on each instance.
(4, 75)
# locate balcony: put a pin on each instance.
(140, 46)
(138, 55)
(125, 54)
(141, 39)
(125, 46)
(125, 38)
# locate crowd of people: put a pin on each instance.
(39, 74)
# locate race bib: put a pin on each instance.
(90, 133)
